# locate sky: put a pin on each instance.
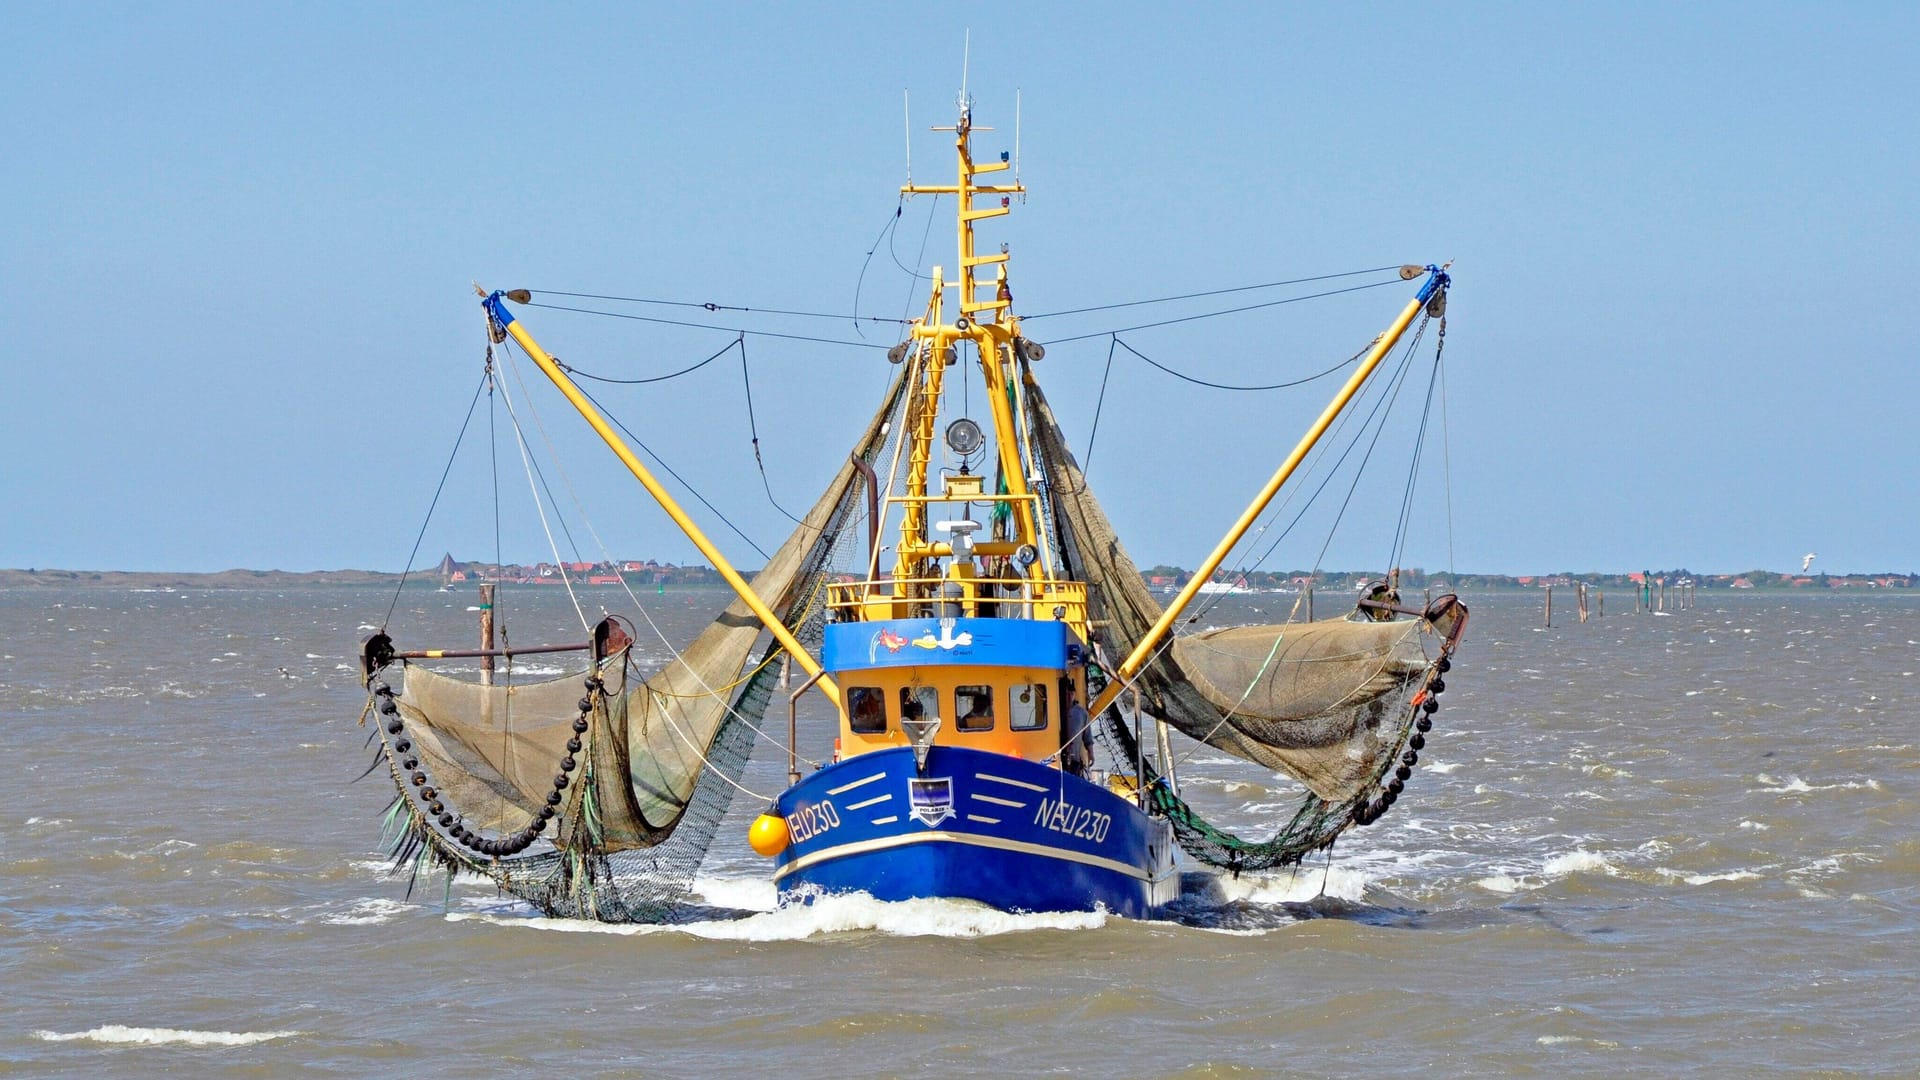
(238, 245)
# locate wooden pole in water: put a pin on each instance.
(486, 634)
(1549, 607)
(1602, 598)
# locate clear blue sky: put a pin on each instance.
(236, 243)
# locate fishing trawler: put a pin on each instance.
(1004, 690)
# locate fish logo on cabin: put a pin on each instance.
(886, 639)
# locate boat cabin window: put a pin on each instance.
(866, 710)
(1027, 706)
(973, 705)
(926, 698)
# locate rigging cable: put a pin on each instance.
(1446, 449)
(654, 379)
(1404, 526)
(754, 427)
(526, 460)
(1348, 362)
(1332, 471)
(1227, 311)
(658, 460)
(1209, 292)
(1399, 381)
(859, 282)
(917, 259)
(709, 306)
(1098, 404)
(457, 439)
(708, 326)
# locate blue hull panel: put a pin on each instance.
(1014, 834)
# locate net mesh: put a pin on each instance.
(1330, 703)
(657, 764)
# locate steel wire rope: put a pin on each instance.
(709, 306)
(1446, 449)
(753, 427)
(485, 379)
(608, 556)
(1404, 524)
(1398, 382)
(688, 370)
(660, 461)
(527, 462)
(705, 326)
(1208, 292)
(1312, 463)
(1098, 404)
(918, 259)
(1331, 472)
(1348, 362)
(859, 282)
(1226, 311)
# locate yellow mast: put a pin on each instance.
(507, 322)
(992, 328)
(1143, 651)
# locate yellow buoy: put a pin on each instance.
(768, 835)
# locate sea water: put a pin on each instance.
(1674, 843)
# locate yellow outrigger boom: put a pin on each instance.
(505, 320)
(1436, 283)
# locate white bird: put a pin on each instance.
(1806, 561)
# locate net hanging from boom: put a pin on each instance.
(635, 779)
(1332, 703)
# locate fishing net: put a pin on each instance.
(1332, 703)
(645, 774)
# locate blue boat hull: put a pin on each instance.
(1010, 833)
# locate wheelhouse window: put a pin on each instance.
(973, 707)
(866, 710)
(1027, 706)
(919, 703)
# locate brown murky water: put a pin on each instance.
(1655, 844)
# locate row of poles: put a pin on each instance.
(1652, 595)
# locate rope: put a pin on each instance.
(658, 460)
(1209, 292)
(893, 219)
(1214, 314)
(654, 379)
(1226, 386)
(1388, 399)
(708, 326)
(1404, 525)
(710, 306)
(1098, 404)
(485, 380)
(1446, 447)
(526, 461)
(753, 426)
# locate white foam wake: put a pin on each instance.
(121, 1035)
(837, 914)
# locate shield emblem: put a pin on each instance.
(931, 799)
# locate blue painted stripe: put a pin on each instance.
(891, 643)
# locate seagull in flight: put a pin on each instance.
(1807, 560)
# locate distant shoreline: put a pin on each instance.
(1332, 582)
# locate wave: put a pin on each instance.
(121, 1035)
